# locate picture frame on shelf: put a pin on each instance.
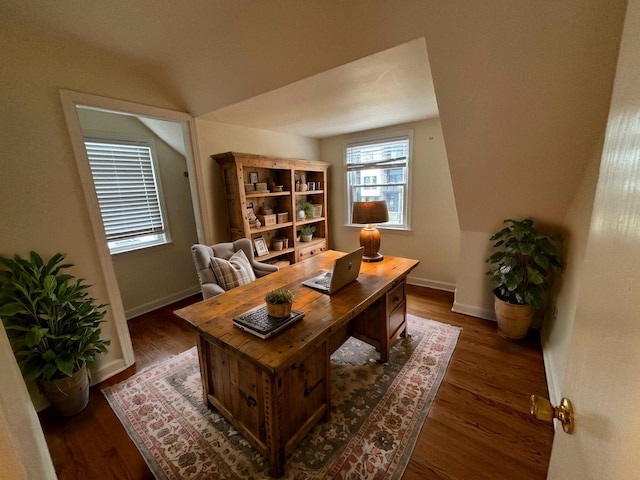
(260, 246)
(253, 177)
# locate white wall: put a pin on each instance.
(154, 277)
(474, 289)
(216, 137)
(41, 200)
(561, 312)
(434, 234)
(42, 205)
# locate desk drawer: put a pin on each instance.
(397, 320)
(310, 251)
(395, 297)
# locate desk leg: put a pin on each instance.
(327, 384)
(204, 368)
(273, 418)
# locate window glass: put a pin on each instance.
(379, 170)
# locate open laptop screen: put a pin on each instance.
(345, 270)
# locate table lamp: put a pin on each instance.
(369, 213)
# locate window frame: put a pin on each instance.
(372, 139)
(135, 243)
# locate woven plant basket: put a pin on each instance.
(513, 320)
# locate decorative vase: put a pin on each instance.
(68, 395)
(513, 320)
(279, 310)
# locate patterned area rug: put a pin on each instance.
(377, 411)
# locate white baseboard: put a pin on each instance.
(425, 282)
(474, 311)
(160, 302)
(108, 370)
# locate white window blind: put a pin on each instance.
(379, 170)
(125, 182)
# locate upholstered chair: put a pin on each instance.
(231, 267)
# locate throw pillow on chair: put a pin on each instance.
(233, 272)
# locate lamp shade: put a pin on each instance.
(370, 212)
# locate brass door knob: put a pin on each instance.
(542, 409)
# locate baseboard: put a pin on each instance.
(435, 284)
(474, 311)
(160, 302)
(108, 371)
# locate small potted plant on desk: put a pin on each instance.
(53, 326)
(279, 303)
(521, 268)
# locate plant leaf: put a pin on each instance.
(11, 309)
(34, 337)
(49, 284)
(65, 362)
(534, 275)
(526, 248)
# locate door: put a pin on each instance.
(603, 370)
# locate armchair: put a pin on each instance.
(202, 259)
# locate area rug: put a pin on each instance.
(377, 411)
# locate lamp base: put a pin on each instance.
(370, 240)
(377, 258)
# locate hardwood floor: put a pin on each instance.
(478, 427)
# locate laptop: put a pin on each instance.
(345, 270)
(257, 322)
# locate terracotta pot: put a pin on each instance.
(69, 395)
(279, 310)
(513, 320)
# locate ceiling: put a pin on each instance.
(188, 44)
(386, 88)
(523, 87)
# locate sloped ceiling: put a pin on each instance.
(386, 88)
(522, 87)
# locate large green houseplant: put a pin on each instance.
(53, 326)
(521, 267)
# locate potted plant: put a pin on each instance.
(306, 233)
(307, 208)
(521, 268)
(53, 326)
(279, 302)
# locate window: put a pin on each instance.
(379, 170)
(126, 184)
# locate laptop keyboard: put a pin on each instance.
(324, 281)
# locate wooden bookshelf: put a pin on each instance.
(299, 180)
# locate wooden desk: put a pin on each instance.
(274, 391)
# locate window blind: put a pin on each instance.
(386, 154)
(125, 182)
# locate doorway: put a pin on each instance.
(142, 279)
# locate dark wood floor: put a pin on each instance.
(478, 427)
